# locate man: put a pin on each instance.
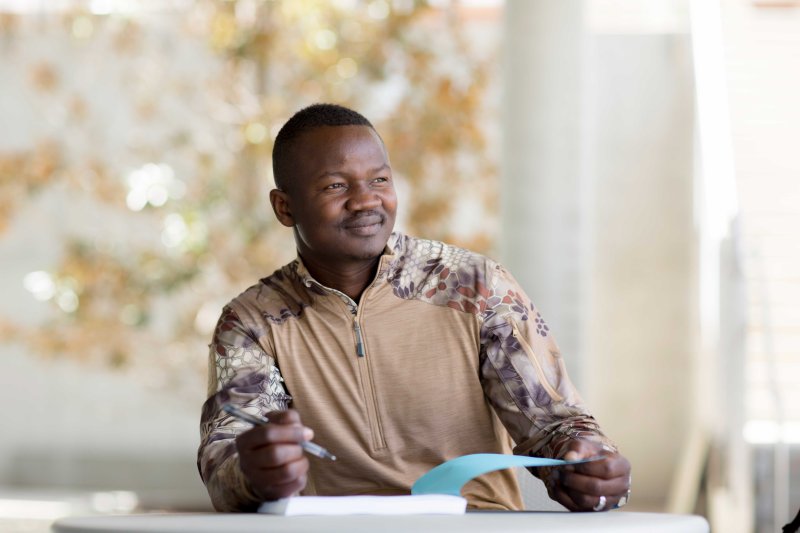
(399, 353)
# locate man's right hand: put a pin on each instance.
(271, 458)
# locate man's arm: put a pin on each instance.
(525, 380)
(240, 372)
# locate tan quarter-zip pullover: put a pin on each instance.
(443, 356)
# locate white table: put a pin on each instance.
(614, 521)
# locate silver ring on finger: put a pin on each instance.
(622, 501)
(601, 504)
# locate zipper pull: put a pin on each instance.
(359, 343)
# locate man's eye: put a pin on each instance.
(381, 180)
(335, 186)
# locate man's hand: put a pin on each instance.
(271, 457)
(594, 486)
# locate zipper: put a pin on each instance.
(359, 341)
(364, 369)
(367, 383)
(532, 356)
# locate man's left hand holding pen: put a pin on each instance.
(271, 455)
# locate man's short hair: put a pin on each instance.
(308, 118)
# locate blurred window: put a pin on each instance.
(762, 46)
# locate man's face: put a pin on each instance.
(341, 197)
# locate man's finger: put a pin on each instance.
(578, 483)
(556, 491)
(612, 466)
(564, 499)
(275, 492)
(281, 475)
(261, 436)
(594, 503)
(271, 456)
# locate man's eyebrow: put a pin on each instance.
(336, 173)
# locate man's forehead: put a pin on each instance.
(339, 143)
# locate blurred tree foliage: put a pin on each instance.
(199, 187)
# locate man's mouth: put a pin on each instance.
(364, 225)
(363, 222)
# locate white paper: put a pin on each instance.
(381, 505)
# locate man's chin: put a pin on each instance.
(366, 249)
(366, 253)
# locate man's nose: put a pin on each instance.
(363, 198)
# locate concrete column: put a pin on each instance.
(641, 320)
(542, 161)
(597, 218)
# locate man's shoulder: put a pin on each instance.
(417, 250)
(442, 274)
(274, 298)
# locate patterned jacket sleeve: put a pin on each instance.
(239, 372)
(523, 374)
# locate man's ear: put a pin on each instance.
(280, 205)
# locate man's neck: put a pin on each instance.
(350, 278)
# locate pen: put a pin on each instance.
(258, 420)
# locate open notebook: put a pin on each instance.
(345, 505)
(436, 492)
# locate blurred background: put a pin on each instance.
(635, 163)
